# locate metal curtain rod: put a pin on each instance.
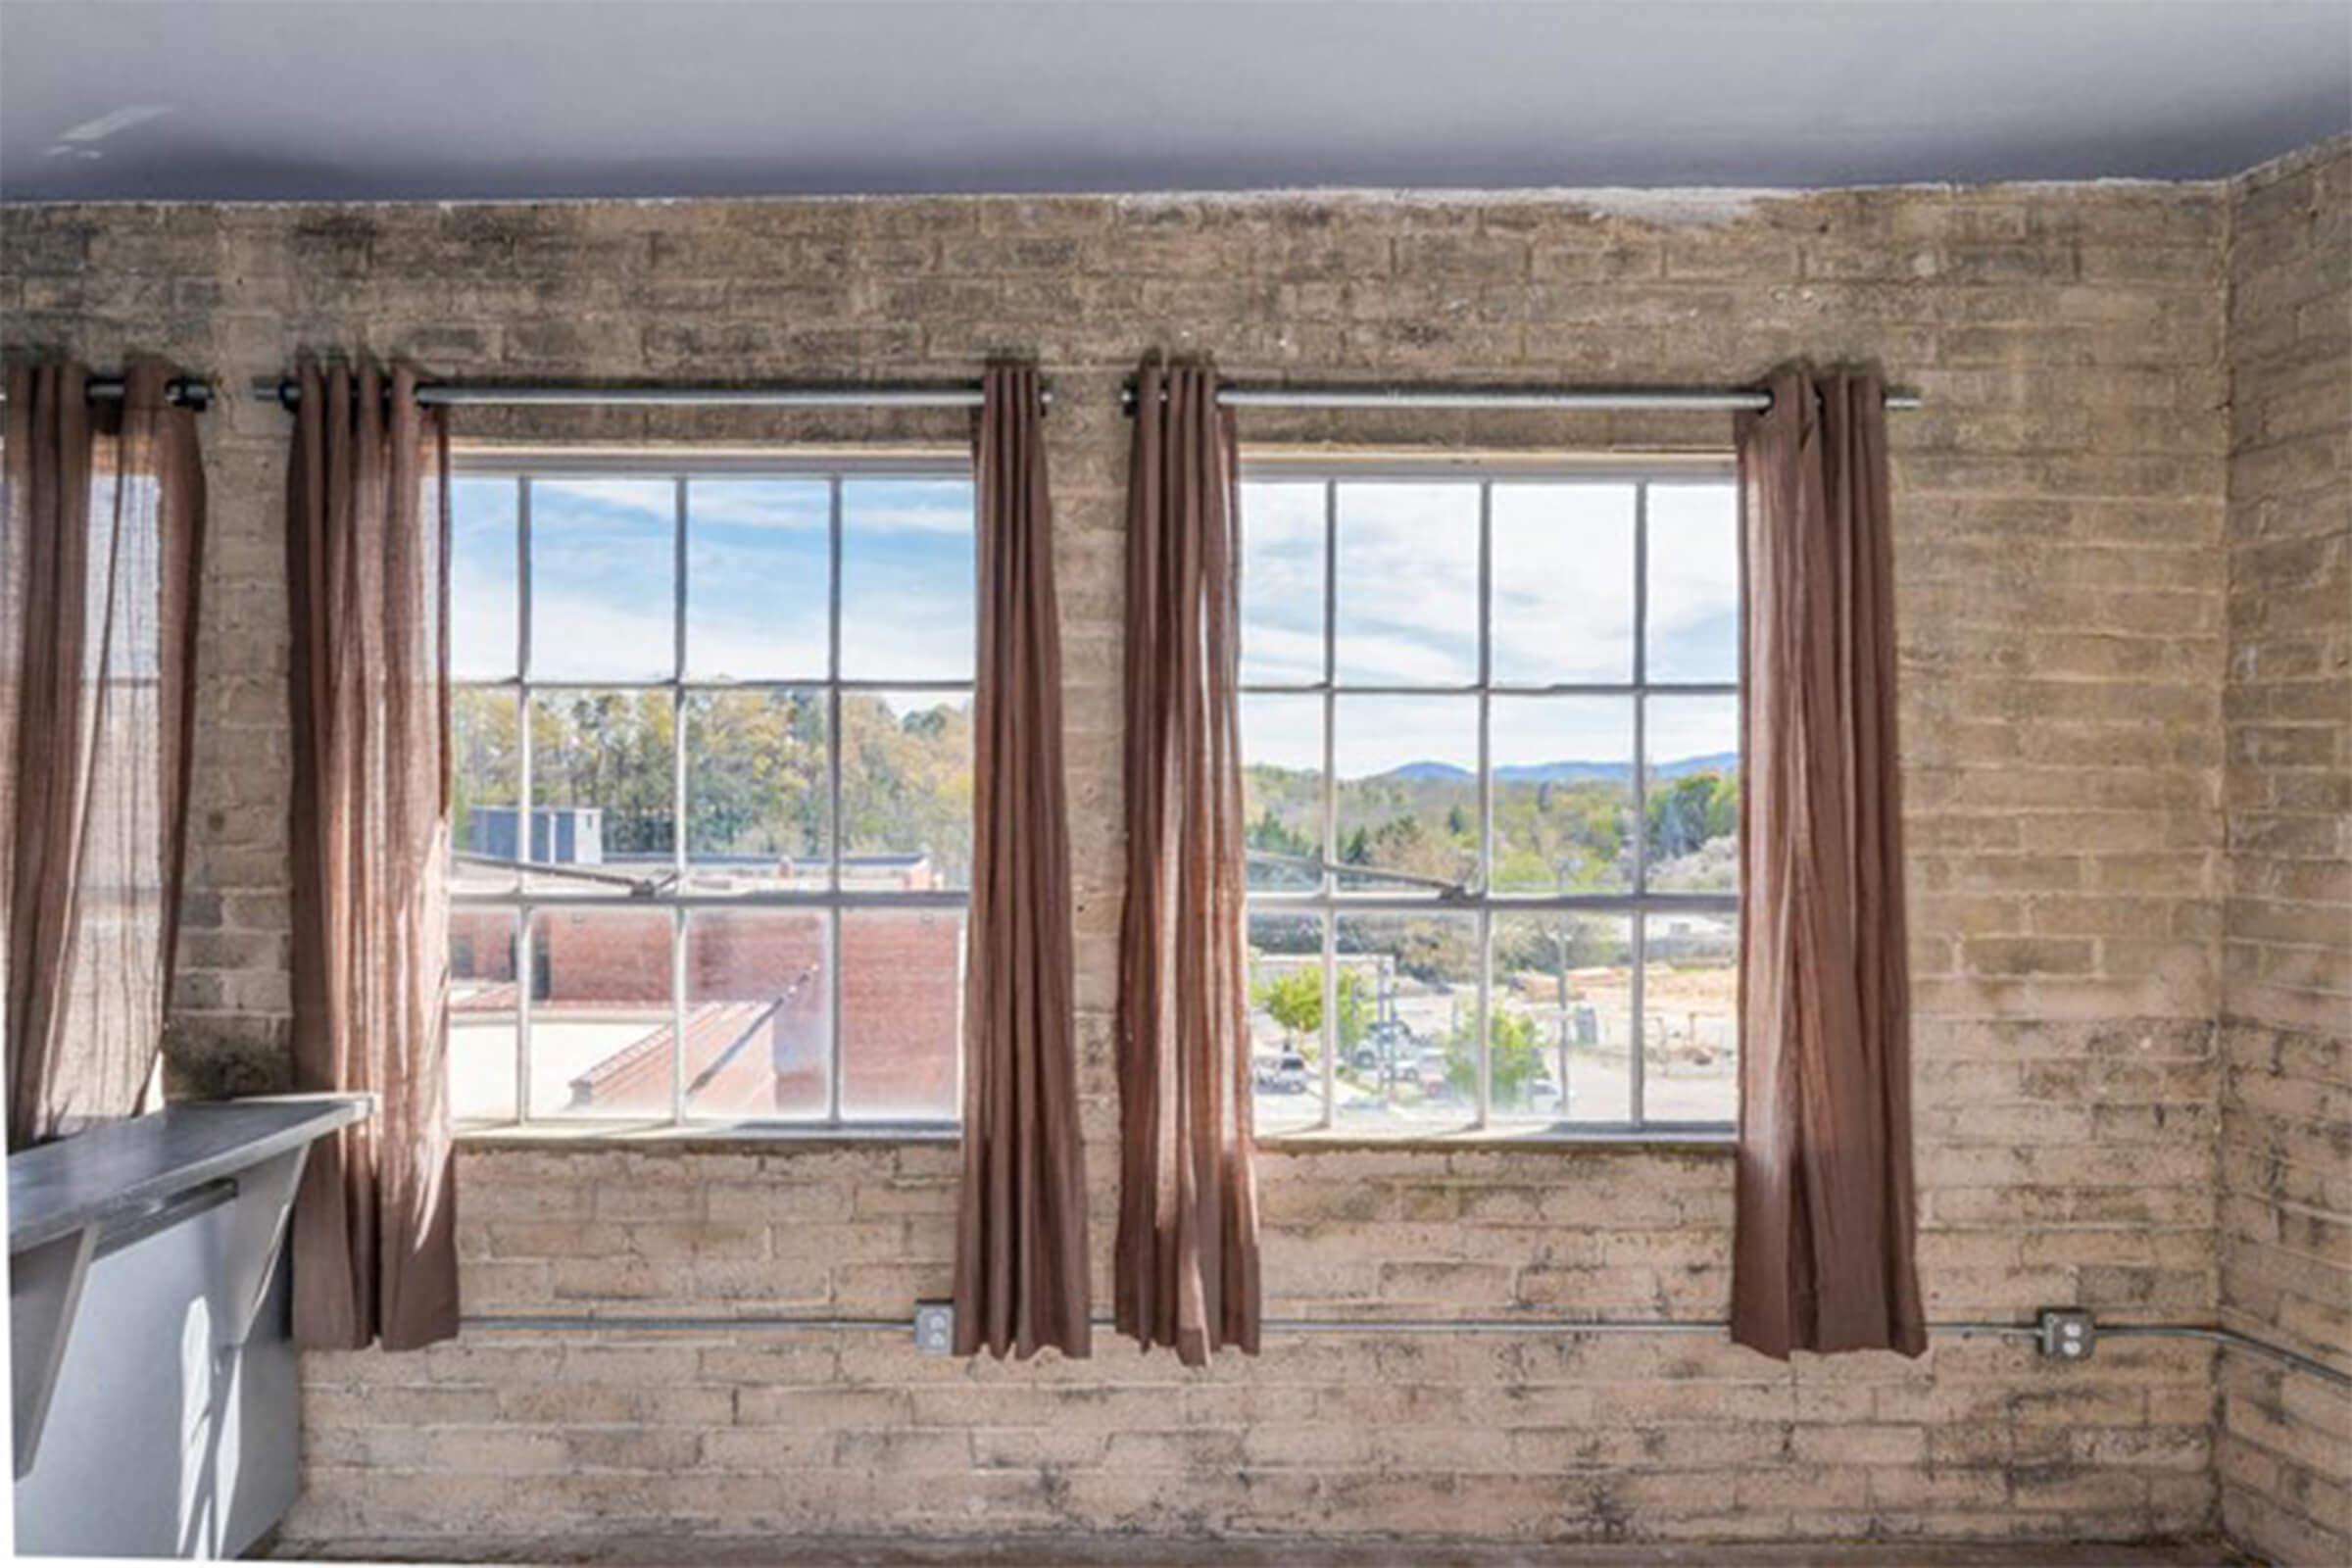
(188, 391)
(430, 394)
(1530, 397)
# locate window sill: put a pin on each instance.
(696, 1135)
(773, 1136)
(1531, 1140)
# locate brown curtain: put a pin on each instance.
(366, 577)
(99, 565)
(1185, 1266)
(1821, 1258)
(1020, 1225)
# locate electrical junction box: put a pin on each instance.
(2067, 1333)
(935, 1327)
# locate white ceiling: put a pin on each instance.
(507, 98)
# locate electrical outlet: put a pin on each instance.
(2067, 1333)
(935, 1327)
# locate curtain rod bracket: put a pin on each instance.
(189, 392)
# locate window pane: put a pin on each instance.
(758, 578)
(1562, 1003)
(1282, 584)
(485, 762)
(603, 579)
(757, 791)
(1282, 789)
(1563, 794)
(1691, 1007)
(482, 1003)
(1693, 625)
(483, 597)
(1407, 584)
(601, 1041)
(1564, 593)
(1407, 1022)
(1407, 790)
(907, 570)
(901, 1014)
(758, 1035)
(1692, 792)
(602, 780)
(906, 791)
(1285, 1019)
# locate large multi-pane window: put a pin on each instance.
(1492, 776)
(711, 829)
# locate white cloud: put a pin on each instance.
(1529, 730)
(1282, 732)
(797, 505)
(903, 505)
(1375, 734)
(574, 505)
(1679, 727)
(1407, 583)
(1563, 583)
(1693, 582)
(482, 630)
(582, 637)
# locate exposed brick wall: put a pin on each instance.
(1544, 1437)
(2060, 507)
(2286, 1051)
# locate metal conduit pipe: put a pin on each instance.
(1570, 1328)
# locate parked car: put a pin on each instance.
(1286, 1074)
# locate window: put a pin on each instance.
(711, 830)
(1490, 738)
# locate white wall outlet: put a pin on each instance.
(935, 1327)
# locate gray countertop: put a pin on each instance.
(122, 1169)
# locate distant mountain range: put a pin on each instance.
(1563, 772)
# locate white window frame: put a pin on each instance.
(677, 898)
(1329, 903)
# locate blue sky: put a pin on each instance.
(604, 568)
(603, 562)
(1406, 591)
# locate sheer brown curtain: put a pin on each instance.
(1187, 1264)
(1822, 1257)
(366, 577)
(1020, 1228)
(99, 564)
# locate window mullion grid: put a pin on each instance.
(833, 849)
(1635, 907)
(526, 967)
(1638, 937)
(1327, 882)
(1486, 797)
(677, 809)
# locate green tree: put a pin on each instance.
(906, 782)
(1274, 836)
(1295, 1000)
(756, 770)
(1687, 812)
(485, 756)
(610, 749)
(755, 765)
(1569, 836)
(1512, 1047)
